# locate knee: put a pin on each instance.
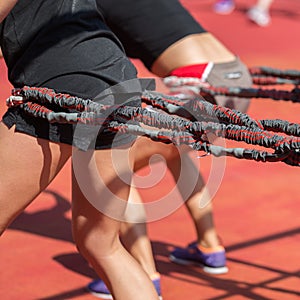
(94, 243)
(84, 242)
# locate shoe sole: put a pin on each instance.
(206, 269)
(100, 295)
(106, 296)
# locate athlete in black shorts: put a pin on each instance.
(66, 46)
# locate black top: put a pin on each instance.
(146, 28)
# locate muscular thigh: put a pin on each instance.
(101, 181)
(27, 166)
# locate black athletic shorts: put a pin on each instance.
(66, 46)
(147, 28)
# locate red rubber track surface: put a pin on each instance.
(256, 206)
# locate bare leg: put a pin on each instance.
(18, 154)
(181, 164)
(97, 234)
(134, 235)
(135, 238)
(202, 216)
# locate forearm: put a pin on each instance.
(5, 7)
(193, 49)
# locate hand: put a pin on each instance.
(230, 74)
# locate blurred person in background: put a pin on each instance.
(258, 13)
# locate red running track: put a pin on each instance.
(256, 206)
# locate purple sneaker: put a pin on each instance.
(224, 7)
(99, 289)
(212, 262)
